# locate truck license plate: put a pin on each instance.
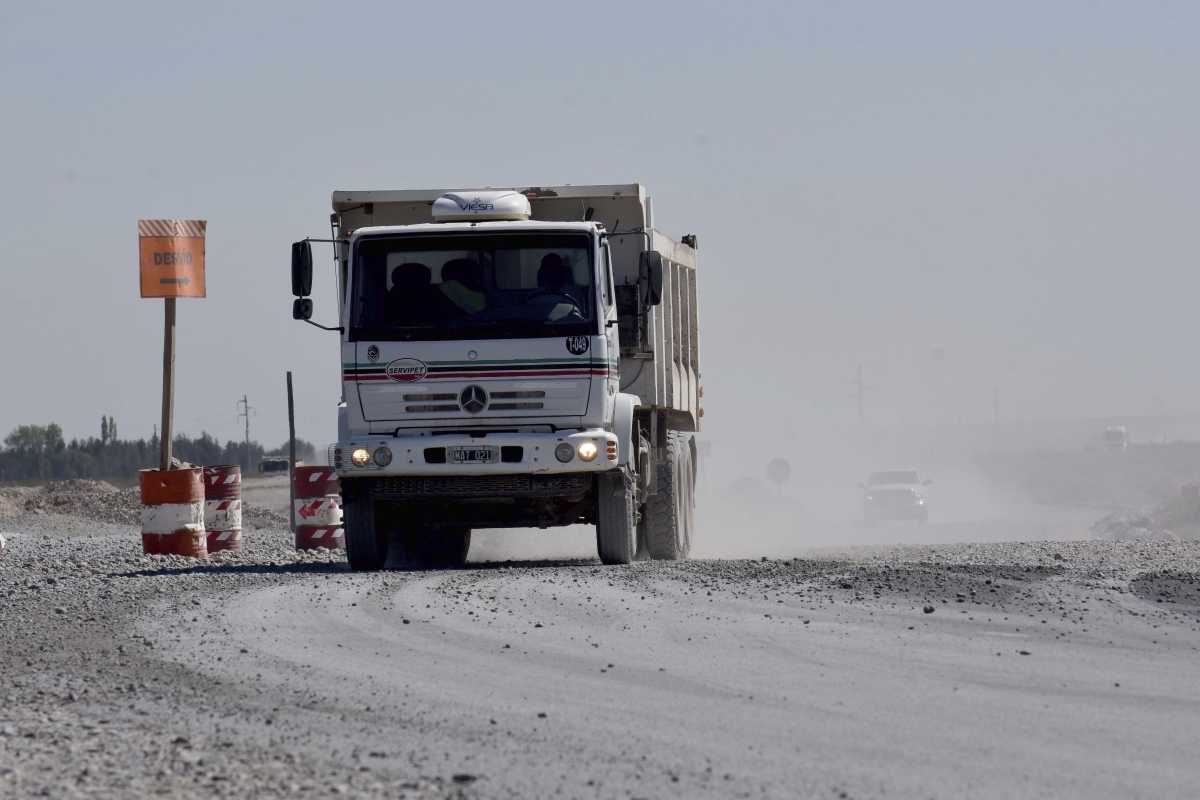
(474, 455)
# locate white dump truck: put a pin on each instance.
(513, 357)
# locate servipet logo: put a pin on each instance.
(407, 370)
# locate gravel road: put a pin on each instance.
(1014, 669)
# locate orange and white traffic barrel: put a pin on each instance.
(173, 512)
(318, 508)
(223, 508)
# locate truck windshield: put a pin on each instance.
(472, 286)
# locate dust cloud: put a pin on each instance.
(983, 485)
(995, 482)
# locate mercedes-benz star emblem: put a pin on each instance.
(473, 399)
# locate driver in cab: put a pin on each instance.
(555, 284)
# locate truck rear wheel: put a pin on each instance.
(366, 539)
(616, 511)
(438, 548)
(667, 525)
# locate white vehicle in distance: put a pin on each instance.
(1116, 437)
(895, 494)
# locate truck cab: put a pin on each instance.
(481, 366)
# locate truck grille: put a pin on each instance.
(566, 486)
(531, 400)
(431, 403)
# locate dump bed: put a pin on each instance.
(660, 354)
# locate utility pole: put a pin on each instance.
(860, 390)
(244, 412)
(168, 384)
(291, 454)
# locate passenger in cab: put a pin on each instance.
(412, 300)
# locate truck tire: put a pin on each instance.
(441, 548)
(366, 539)
(616, 511)
(667, 527)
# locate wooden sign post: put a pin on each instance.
(171, 260)
(291, 453)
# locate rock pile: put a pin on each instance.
(1126, 526)
(99, 501)
(93, 500)
(8, 505)
(1175, 520)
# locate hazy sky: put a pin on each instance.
(957, 197)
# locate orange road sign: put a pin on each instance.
(171, 257)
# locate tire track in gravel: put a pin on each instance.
(743, 678)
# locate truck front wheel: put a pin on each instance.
(366, 539)
(616, 510)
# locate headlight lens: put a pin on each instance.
(360, 457)
(564, 452)
(382, 456)
(587, 451)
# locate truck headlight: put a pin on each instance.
(587, 451)
(382, 456)
(360, 457)
(564, 452)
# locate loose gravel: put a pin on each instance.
(90, 710)
(115, 679)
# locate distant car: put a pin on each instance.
(1116, 437)
(896, 494)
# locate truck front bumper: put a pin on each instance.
(509, 454)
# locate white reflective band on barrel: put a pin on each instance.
(222, 515)
(323, 535)
(319, 511)
(173, 518)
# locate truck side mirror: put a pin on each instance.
(302, 271)
(302, 308)
(650, 274)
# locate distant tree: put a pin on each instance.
(35, 439)
(37, 452)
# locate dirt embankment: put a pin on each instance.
(1176, 519)
(100, 501)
